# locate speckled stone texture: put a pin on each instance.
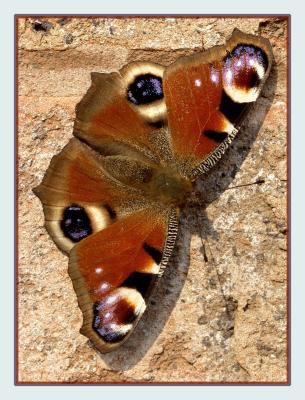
(219, 313)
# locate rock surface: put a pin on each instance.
(219, 313)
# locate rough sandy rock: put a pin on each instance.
(230, 251)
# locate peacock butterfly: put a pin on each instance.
(112, 196)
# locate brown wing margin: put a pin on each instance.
(113, 273)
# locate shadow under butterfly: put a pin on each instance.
(112, 197)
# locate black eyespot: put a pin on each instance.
(75, 223)
(145, 89)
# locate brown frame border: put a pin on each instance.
(288, 202)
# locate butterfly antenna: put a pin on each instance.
(258, 181)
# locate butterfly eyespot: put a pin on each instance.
(244, 71)
(75, 223)
(245, 67)
(114, 314)
(145, 89)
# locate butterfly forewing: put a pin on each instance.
(207, 95)
(113, 272)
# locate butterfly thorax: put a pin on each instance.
(160, 183)
(169, 187)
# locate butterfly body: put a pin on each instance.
(169, 188)
(112, 196)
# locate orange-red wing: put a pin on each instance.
(193, 100)
(114, 113)
(76, 175)
(207, 95)
(104, 113)
(113, 270)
